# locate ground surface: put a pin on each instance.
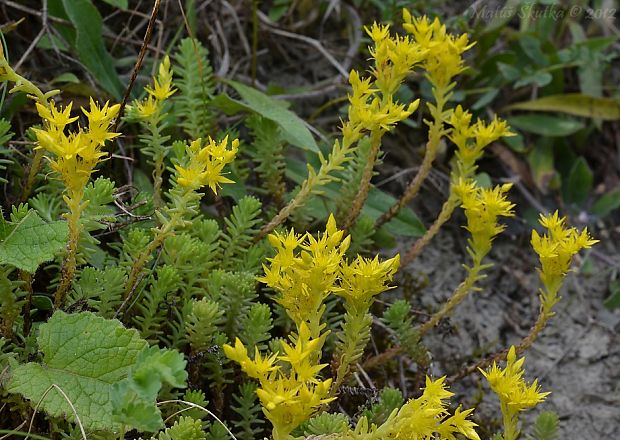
(577, 356)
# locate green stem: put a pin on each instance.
(338, 157)
(156, 141)
(458, 296)
(511, 420)
(434, 137)
(356, 333)
(362, 192)
(446, 212)
(70, 261)
(182, 206)
(35, 167)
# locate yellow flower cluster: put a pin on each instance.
(205, 164)
(556, 249)
(75, 154)
(471, 139)
(514, 393)
(445, 50)
(426, 417)
(162, 89)
(304, 272)
(482, 208)
(428, 46)
(304, 279)
(289, 396)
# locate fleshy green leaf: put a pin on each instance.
(545, 125)
(574, 104)
(89, 44)
(294, 130)
(31, 241)
(84, 355)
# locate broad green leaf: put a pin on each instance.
(545, 125)
(573, 104)
(31, 242)
(607, 203)
(89, 44)
(123, 4)
(542, 166)
(133, 398)
(539, 78)
(579, 183)
(84, 355)
(508, 71)
(293, 127)
(531, 46)
(66, 77)
(108, 372)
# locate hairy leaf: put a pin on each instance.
(84, 355)
(31, 242)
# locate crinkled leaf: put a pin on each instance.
(84, 355)
(294, 130)
(133, 398)
(31, 242)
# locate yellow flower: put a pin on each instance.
(305, 271)
(205, 164)
(515, 395)
(162, 83)
(99, 120)
(365, 278)
(288, 397)
(444, 51)
(76, 154)
(509, 385)
(55, 119)
(425, 417)
(482, 208)
(555, 250)
(471, 139)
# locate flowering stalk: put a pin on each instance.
(371, 110)
(514, 393)
(470, 140)
(482, 208)
(73, 155)
(204, 167)
(304, 272)
(23, 85)
(394, 58)
(362, 280)
(555, 250)
(150, 112)
(442, 63)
